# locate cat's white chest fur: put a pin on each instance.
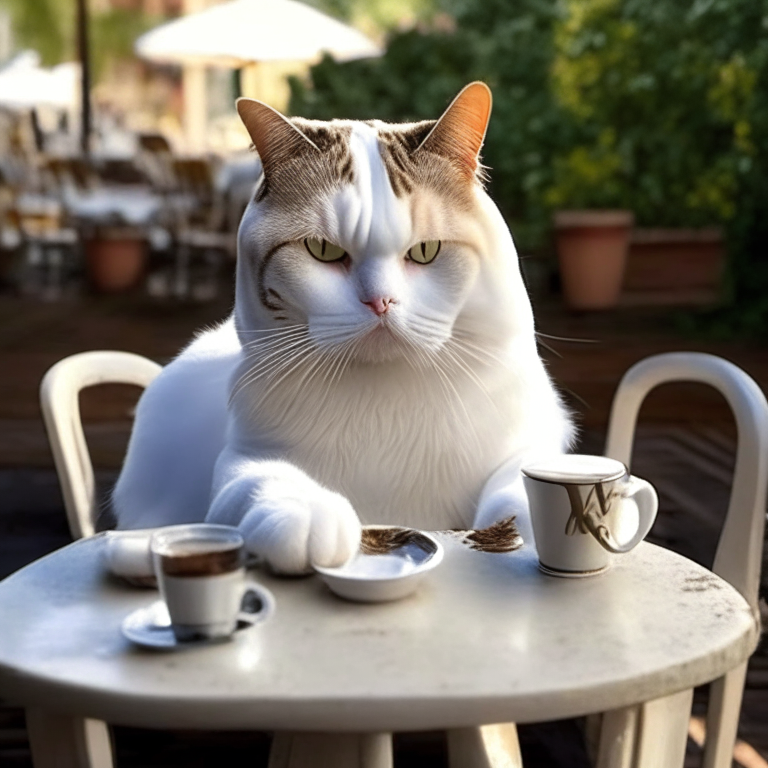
(409, 447)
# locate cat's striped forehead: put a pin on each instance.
(305, 159)
(309, 170)
(333, 141)
(333, 163)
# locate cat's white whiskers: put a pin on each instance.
(269, 349)
(274, 338)
(290, 364)
(346, 356)
(479, 353)
(262, 358)
(330, 333)
(341, 318)
(470, 374)
(329, 347)
(279, 376)
(280, 360)
(264, 362)
(270, 333)
(458, 365)
(344, 326)
(423, 359)
(454, 398)
(440, 326)
(430, 364)
(339, 360)
(254, 349)
(296, 352)
(431, 325)
(338, 365)
(279, 329)
(321, 358)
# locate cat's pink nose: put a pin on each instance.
(380, 304)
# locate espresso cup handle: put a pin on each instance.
(256, 605)
(644, 495)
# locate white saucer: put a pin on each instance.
(387, 572)
(150, 626)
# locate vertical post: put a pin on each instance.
(341, 750)
(83, 53)
(195, 106)
(194, 85)
(61, 741)
(485, 746)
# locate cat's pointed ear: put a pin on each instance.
(276, 139)
(460, 132)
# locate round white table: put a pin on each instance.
(487, 639)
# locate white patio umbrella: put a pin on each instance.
(241, 32)
(25, 84)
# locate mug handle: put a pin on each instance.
(647, 500)
(256, 605)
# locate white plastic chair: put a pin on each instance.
(59, 393)
(654, 734)
(59, 399)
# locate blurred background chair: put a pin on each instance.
(49, 243)
(204, 244)
(155, 159)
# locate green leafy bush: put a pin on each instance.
(659, 107)
(664, 95)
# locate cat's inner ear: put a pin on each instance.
(276, 139)
(460, 132)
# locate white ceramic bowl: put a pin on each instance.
(391, 564)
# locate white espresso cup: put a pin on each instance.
(584, 509)
(200, 571)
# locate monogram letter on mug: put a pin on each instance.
(583, 510)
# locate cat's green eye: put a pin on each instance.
(424, 252)
(322, 250)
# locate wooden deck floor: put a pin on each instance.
(685, 447)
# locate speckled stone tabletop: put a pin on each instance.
(487, 638)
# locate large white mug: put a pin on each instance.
(584, 509)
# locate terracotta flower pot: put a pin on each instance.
(592, 253)
(115, 260)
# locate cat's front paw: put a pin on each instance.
(294, 528)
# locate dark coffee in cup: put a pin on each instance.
(200, 557)
(201, 574)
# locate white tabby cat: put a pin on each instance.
(380, 364)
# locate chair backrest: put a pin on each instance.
(154, 142)
(155, 160)
(739, 550)
(59, 399)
